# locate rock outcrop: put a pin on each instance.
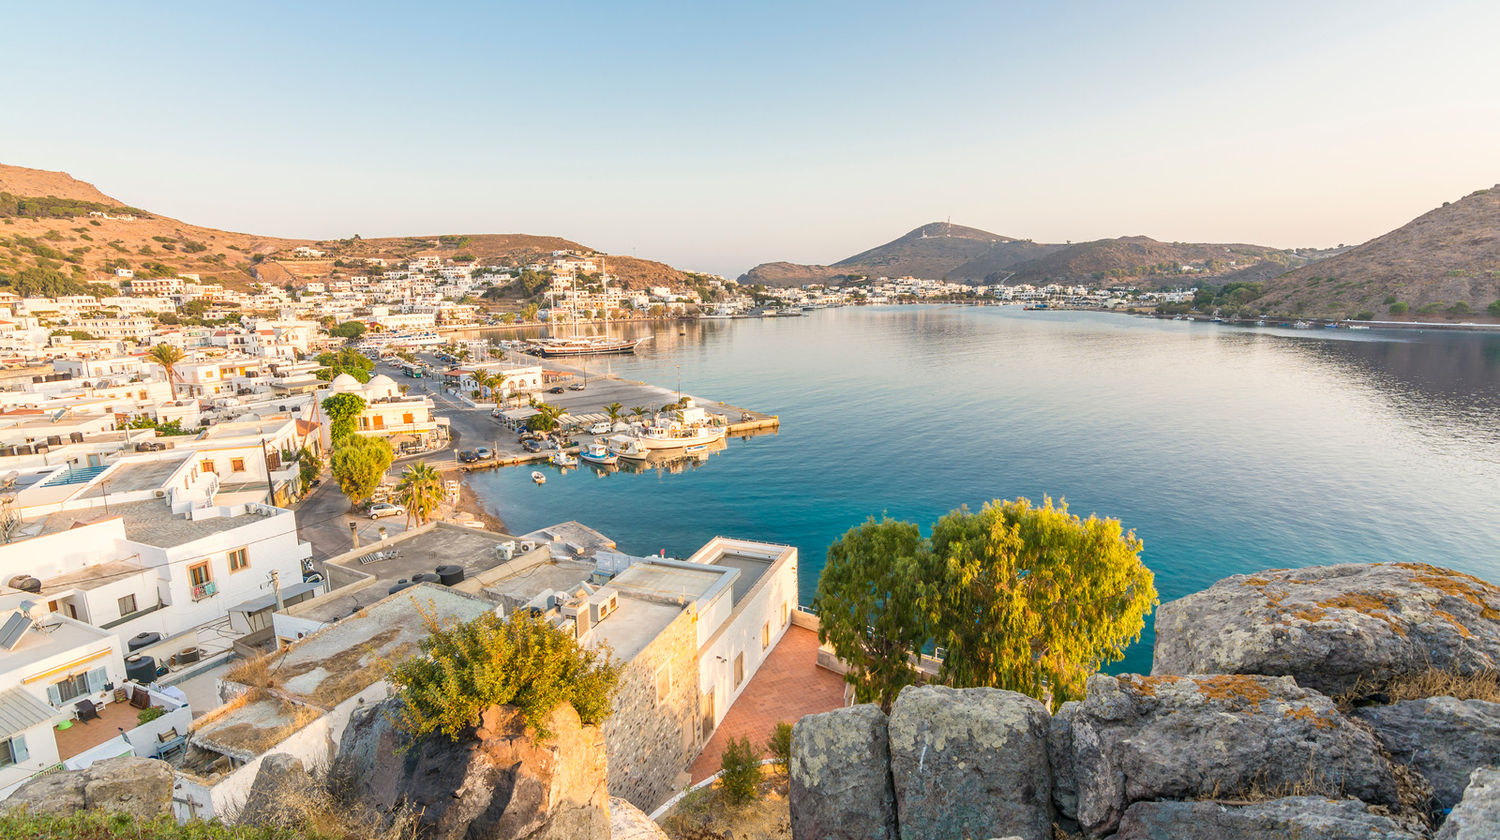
(500, 783)
(1332, 627)
(627, 822)
(1308, 817)
(841, 776)
(1134, 739)
(1441, 738)
(139, 787)
(1477, 815)
(970, 763)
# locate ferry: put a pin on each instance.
(598, 453)
(552, 347)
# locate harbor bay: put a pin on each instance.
(1227, 450)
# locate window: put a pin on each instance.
(77, 685)
(408, 418)
(206, 465)
(127, 605)
(13, 751)
(765, 635)
(663, 683)
(237, 464)
(380, 421)
(739, 669)
(239, 559)
(199, 574)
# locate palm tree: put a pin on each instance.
(639, 411)
(482, 380)
(614, 411)
(421, 491)
(167, 356)
(547, 418)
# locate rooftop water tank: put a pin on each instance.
(141, 640)
(425, 577)
(450, 574)
(25, 583)
(140, 668)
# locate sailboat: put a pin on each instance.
(586, 345)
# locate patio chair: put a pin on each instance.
(169, 742)
(140, 698)
(87, 711)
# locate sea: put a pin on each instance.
(1226, 449)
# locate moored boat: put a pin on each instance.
(598, 453)
(628, 447)
(562, 459)
(538, 477)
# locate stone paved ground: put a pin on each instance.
(788, 685)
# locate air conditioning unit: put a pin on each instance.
(603, 604)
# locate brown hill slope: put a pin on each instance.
(1448, 256)
(63, 238)
(933, 251)
(1132, 258)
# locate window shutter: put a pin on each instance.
(54, 695)
(18, 749)
(97, 678)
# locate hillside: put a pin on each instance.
(1442, 258)
(45, 224)
(1131, 258)
(933, 251)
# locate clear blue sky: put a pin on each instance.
(718, 135)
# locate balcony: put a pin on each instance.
(205, 590)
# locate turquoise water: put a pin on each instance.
(1227, 450)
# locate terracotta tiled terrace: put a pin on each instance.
(84, 736)
(788, 685)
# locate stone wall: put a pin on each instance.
(651, 743)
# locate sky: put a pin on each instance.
(715, 136)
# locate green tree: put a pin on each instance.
(168, 357)
(341, 409)
(873, 609)
(614, 411)
(358, 464)
(1034, 599)
(421, 491)
(346, 360)
(309, 467)
(739, 771)
(547, 418)
(524, 661)
(779, 745)
(348, 329)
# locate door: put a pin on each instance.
(708, 714)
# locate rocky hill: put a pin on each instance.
(934, 251)
(1441, 259)
(1134, 258)
(45, 224)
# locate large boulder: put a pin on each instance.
(501, 781)
(1477, 815)
(627, 822)
(1223, 736)
(970, 763)
(1331, 627)
(841, 777)
(1441, 738)
(138, 787)
(1276, 819)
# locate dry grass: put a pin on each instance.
(256, 673)
(1435, 682)
(322, 810)
(705, 815)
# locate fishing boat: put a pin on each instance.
(598, 453)
(538, 477)
(697, 447)
(628, 447)
(1302, 325)
(562, 459)
(677, 436)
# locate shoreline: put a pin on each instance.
(470, 503)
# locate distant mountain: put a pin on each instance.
(47, 226)
(934, 251)
(1445, 257)
(1132, 258)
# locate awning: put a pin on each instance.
(19, 711)
(255, 605)
(519, 413)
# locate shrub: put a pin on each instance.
(1460, 308)
(523, 661)
(1365, 315)
(1495, 309)
(780, 746)
(1399, 308)
(149, 714)
(1389, 299)
(739, 779)
(1430, 308)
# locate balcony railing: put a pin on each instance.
(205, 590)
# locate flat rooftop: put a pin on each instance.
(53, 636)
(247, 729)
(136, 476)
(629, 629)
(578, 538)
(346, 657)
(668, 582)
(150, 522)
(751, 569)
(557, 575)
(92, 577)
(399, 558)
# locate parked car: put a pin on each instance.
(600, 428)
(532, 445)
(557, 390)
(467, 456)
(484, 452)
(386, 509)
(576, 386)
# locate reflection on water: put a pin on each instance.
(1228, 450)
